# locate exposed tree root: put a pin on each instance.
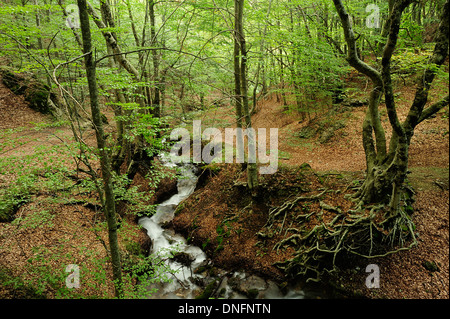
(287, 206)
(366, 231)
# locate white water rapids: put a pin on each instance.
(165, 239)
(186, 283)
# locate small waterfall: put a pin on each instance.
(163, 240)
(184, 284)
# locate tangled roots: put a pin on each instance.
(364, 231)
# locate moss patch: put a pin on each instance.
(36, 93)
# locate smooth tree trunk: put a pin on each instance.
(241, 91)
(105, 162)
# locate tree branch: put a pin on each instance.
(112, 43)
(352, 57)
(438, 57)
(372, 120)
(394, 27)
(436, 107)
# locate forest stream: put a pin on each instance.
(188, 282)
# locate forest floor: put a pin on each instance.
(338, 162)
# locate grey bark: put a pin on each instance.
(240, 60)
(105, 162)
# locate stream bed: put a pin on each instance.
(187, 282)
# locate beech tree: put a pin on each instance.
(387, 164)
(241, 90)
(105, 160)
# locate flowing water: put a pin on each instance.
(186, 283)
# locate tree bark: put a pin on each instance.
(237, 79)
(241, 82)
(105, 162)
(156, 99)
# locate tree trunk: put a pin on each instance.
(156, 100)
(241, 67)
(237, 80)
(386, 171)
(111, 41)
(105, 163)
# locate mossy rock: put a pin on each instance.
(35, 92)
(328, 133)
(37, 96)
(206, 294)
(13, 81)
(134, 248)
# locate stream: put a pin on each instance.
(186, 283)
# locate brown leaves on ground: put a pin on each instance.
(402, 274)
(232, 226)
(223, 218)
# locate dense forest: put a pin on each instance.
(224, 149)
